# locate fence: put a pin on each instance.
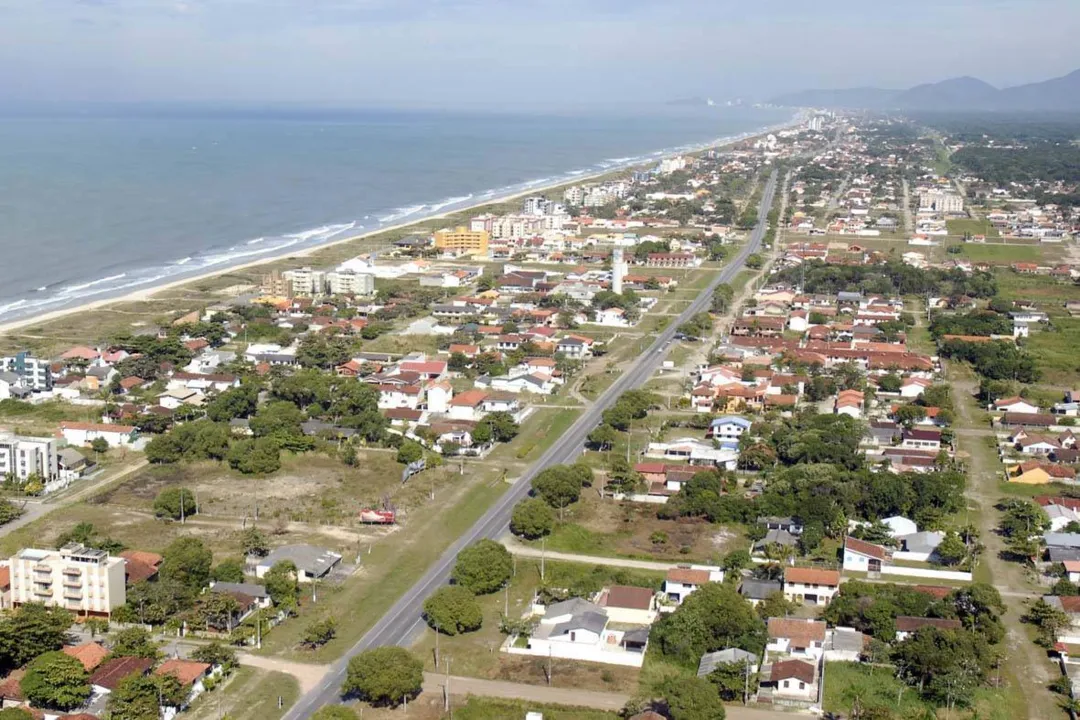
(926, 573)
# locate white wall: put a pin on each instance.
(926, 573)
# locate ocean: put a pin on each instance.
(94, 207)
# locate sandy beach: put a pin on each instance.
(148, 292)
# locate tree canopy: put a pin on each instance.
(384, 676)
(483, 567)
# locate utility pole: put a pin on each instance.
(446, 690)
(543, 548)
(437, 646)
(746, 682)
(506, 601)
(549, 666)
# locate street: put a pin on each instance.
(404, 617)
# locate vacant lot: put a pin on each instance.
(1051, 294)
(1002, 254)
(1057, 351)
(598, 526)
(972, 227)
(249, 694)
(476, 654)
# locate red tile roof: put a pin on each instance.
(906, 623)
(788, 669)
(623, 596)
(186, 671)
(90, 654)
(811, 576)
(688, 576)
(801, 632)
(864, 548)
(109, 674)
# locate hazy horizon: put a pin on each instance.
(495, 55)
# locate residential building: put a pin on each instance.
(907, 626)
(727, 656)
(810, 586)
(312, 563)
(862, 556)
(305, 281)
(729, 427)
(112, 672)
(942, 202)
(627, 604)
(793, 682)
(682, 581)
(25, 456)
(79, 433)
(33, 372)
(85, 581)
(797, 637)
(462, 240)
(350, 283)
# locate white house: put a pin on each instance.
(578, 629)
(913, 387)
(628, 604)
(438, 395)
(1015, 405)
(810, 586)
(728, 427)
(697, 452)
(79, 433)
(797, 637)
(899, 525)
(862, 556)
(682, 581)
(399, 396)
(1072, 568)
(794, 681)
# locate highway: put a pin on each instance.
(397, 626)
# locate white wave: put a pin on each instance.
(401, 213)
(11, 306)
(93, 283)
(450, 201)
(183, 261)
(256, 241)
(43, 288)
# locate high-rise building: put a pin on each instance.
(351, 283)
(82, 580)
(306, 282)
(462, 239)
(274, 283)
(618, 270)
(942, 202)
(22, 457)
(34, 373)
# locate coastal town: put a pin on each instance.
(785, 427)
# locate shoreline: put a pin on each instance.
(147, 293)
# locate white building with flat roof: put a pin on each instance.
(351, 283)
(25, 456)
(82, 580)
(306, 281)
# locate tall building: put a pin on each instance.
(25, 456)
(306, 282)
(79, 579)
(618, 270)
(462, 239)
(34, 373)
(351, 283)
(942, 202)
(276, 285)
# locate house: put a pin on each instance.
(862, 556)
(845, 644)
(80, 433)
(787, 524)
(728, 427)
(189, 673)
(1035, 444)
(850, 403)
(810, 586)
(907, 626)
(312, 563)
(627, 604)
(90, 654)
(899, 525)
(883, 432)
(1072, 570)
(72, 464)
(921, 439)
(757, 590)
(920, 546)
(1034, 472)
(467, 405)
(1015, 405)
(578, 629)
(727, 656)
(140, 566)
(682, 581)
(252, 590)
(913, 387)
(794, 681)
(797, 637)
(111, 672)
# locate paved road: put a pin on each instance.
(404, 617)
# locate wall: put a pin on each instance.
(926, 573)
(571, 651)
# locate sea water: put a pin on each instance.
(93, 207)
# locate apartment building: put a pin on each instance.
(275, 284)
(351, 283)
(34, 373)
(82, 580)
(306, 281)
(26, 456)
(942, 202)
(462, 239)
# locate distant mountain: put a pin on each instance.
(965, 93)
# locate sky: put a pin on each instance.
(514, 54)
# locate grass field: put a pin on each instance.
(249, 694)
(1001, 254)
(979, 226)
(879, 687)
(1051, 294)
(1056, 349)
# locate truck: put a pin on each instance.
(377, 517)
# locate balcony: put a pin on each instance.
(72, 571)
(70, 596)
(43, 592)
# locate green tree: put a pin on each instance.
(174, 503)
(319, 632)
(187, 561)
(279, 419)
(603, 437)
(711, 618)
(775, 605)
(532, 518)
(228, 571)
(8, 511)
(951, 550)
(691, 698)
(135, 698)
(99, 445)
(31, 630)
(15, 713)
(133, 642)
(56, 681)
(255, 456)
(889, 383)
(731, 679)
(282, 584)
(384, 676)
(483, 567)
(502, 424)
(453, 609)
(409, 452)
(215, 653)
(254, 542)
(755, 261)
(558, 486)
(238, 402)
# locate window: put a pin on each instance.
(802, 685)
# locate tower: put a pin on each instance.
(618, 270)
